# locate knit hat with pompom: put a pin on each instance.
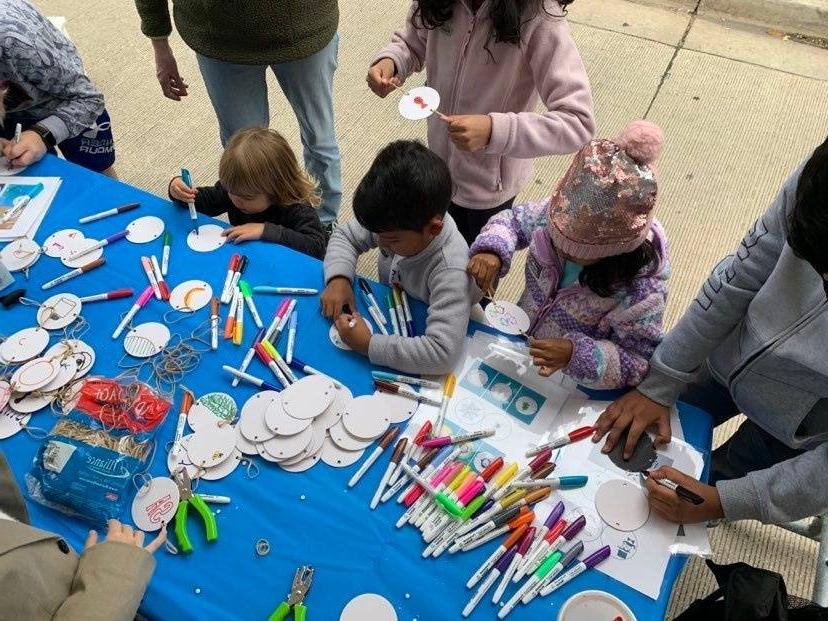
(603, 206)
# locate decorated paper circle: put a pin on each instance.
(28, 403)
(309, 397)
(209, 238)
(333, 334)
(338, 457)
(70, 257)
(419, 103)
(223, 469)
(12, 422)
(82, 353)
(252, 417)
(155, 504)
(24, 345)
(622, 505)
(34, 374)
(210, 446)
(147, 339)
(364, 418)
(19, 254)
(210, 409)
(507, 317)
(67, 368)
(191, 295)
(178, 459)
(60, 242)
(59, 311)
(144, 229)
(368, 606)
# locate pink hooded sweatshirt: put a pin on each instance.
(507, 86)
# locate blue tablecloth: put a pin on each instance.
(308, 518)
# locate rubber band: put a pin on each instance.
(262, 547)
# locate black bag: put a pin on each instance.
(748, 593)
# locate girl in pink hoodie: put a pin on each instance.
(492, 61)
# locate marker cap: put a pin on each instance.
(572, 553)
(574, 528)
(554, 515)
(596, 557)
(505, 560)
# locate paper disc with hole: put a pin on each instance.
(210, 409)
(28, 403)
(265, 455)
(12, 422)
(333, 413)
(252, 417)
(147, 339)
(34, 374)
(419, 103)
(209, 238)
(191, 295)
(20, 254)
(155, 504)
(345, 440)
(507, 317)
(285, 447)
(337, 457)
(223, 469)
(67, 368)
(59, 242)
(211, 446)
(59, 311)
(243, 444)
(622, 505)
(396, 409)
(82, 353)
(368, 606)
(176, 460)
(145, 229)
(364, 418)
(300, 465)
(70, 258)
(5, 393)
(24, 345)
(282, 423)
(8, 171)
(309, 397)
(333, 334)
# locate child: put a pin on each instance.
(597, 266)
(263, 191)
(400, 207)
(42, 578)
(491, 63)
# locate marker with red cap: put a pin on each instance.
(109, 295)
(271, 364)
(562, 440)
(227, 290)
(554, 515)
(525, 542)
(553, 541)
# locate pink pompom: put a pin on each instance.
(642, 141)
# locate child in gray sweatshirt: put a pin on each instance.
(400, 207)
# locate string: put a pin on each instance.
(251, 468)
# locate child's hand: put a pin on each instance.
(358, 337)
(666, 503)
(381, 78)
(244, 232)
(123, 533)
(29, 150)
(469, 132)
(180, 191)
(337, 294)
(550, 355)
(484, 267)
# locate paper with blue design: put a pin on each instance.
(38, 191)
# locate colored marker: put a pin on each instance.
(392, 311)
(369, 293)
(109, 212)
(497, 520)
(396, 456)
(551, 567)
(562, 440)
(434, 475)
(553, 541)
(529, 556)
(162, 284)
(139, 304)
(500, 566)
(226, 290)
(458, 439)
(385, 440)
(291, 343)
(524, 518)
(248, 357)
(74, 273)
(165, 253)
(588, 563)
(186, 404)
(214, 323)
(377, 317)
(277, 358)
(277, 317)
(448, 392)
(523, 547)
(230, 322)
(96, 246)
(109, 295)
(451, 483)
(436, 548)
(570, 482)
(240, 267)
(398, 308)
(680, 490)
(188, 181)
(540, 460)
(285, 290)
(419, 467)
(406, 379)
(309, 370)
(274, 336)
(150, 274)
(404, 391)
(438, 464)
(247, 294)
(238, 327)
(409, 318)
(18, 129)
(259, 383)
(271, 364)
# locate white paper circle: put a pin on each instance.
(19, 254)
(147, 339)
(622, 505)
(24, 345)
(209, 238)
(309, 397)
(337, 457)
(333, 334)
(6, 170)
(212, 408)
(59, 311)
(507, 317)
(178, 460)
(191, 295)
(82, 353)
(396, 409)
(313, 449)
(333, 414)
(345, 440)
(419, 103)
(252, 418)
(265, 455)
(243, 444)
(364, 418)
(223, 469)
(145, 229)
(280, 422)
(368, 606)
(69, 258)
(34, 374)
(27, 403)
(300, 465)
(285, 447)
(12, 422)
(67, 368)
(60, 241)
(210, 446)
(590, 605)
(5, 393)
(155, 504)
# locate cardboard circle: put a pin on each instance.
(309, 397)
(24, 345)
(622, 505)
(282, 423)
(12, 422)
(419, 103)
(345, 440)
(155, 504)
(145, 229)
(33, 375)
(69, 259)
(368, 606)
(210, 446)
(181, 460)
(209, 238)
(396, 409)
(29, 403)
(82, 353)
(225, 468)
(337, 457)
(191, 296)
(252, 418)
(265, 455)
(9, 171)
(364, 418)
(333, 413)
(59, 311)
(146, 339)
(306, 463)
(243, 444)
(507, 317)
(58, 242)
(285, 447)
(5, 393)
(333, 334)
(20, 254)
(67, 368)
(211, 409)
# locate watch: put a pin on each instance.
(45, 135)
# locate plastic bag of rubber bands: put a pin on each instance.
(88, 462)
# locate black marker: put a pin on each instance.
(682, 491)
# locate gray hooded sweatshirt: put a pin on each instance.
(761, 322)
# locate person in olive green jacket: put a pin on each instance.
(235, 43)
(41, 577)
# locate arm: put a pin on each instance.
(440, 347)
(155, 18)
(562, 83)
(407, 49)
(511, 230)
(300, 229)
(211, 200)
(346, 244)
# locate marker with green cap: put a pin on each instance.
(247, 294)
(165, 256)
(548, 573)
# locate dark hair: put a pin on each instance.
(406, 186)
(508, 16)
(808, 233)
(616, 273)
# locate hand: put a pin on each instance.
(469, 132)
(166, 70)
(381, 77)
(244, 232)
(122, 533)
(180, 191)
(637, 412)
(666, 503)
(484, 267)
(357, 338)
(338, 292)
(29, 150)
(550, 355)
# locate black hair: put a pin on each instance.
(808, 232)
(508, 16)
(612, 274)
(406, 186)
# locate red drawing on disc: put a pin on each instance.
(420, 102)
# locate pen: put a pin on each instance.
(399, 449)
(226, 290)
(165, 253)
(109, 295)
(680, 490)
(409, 319)
(346, 310)
(214, 323)
(294, 320)
(188, 181)
(406, 379)
(159, 277)
(448, 392)
(562, 440)
(259, 383)
(248, 357)
(404, 391)
(18, 128)
(372, 301)
(377, 317)
(247, 294)
(104, 242)
(386, 439)
(75, 272)
(309, 370)
(150, 274)
(139, 304)
(392, 311)
(458, 439)
(109, 212)
(398, 308)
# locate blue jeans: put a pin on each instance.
(239, 97)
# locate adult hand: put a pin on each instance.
(637, 412)
(123, 533)
(381, 77)
(666, 503)
(357, 338)
(338, 292)
(244, 232)
(469, 132)
(484, 267)
(180, 191)
(166, 70)
(550, 355)
(29, 150)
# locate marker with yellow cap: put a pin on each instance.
(448, 392)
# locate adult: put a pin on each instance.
(754, 341)
(43, 88)
(235, 43)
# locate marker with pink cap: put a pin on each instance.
(139, 304)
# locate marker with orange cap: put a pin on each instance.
(512, 540)
(523, 547)
(186, 403)
(521, 520)
(230, 322)
(495, 522)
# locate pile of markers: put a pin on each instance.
(402, 321)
